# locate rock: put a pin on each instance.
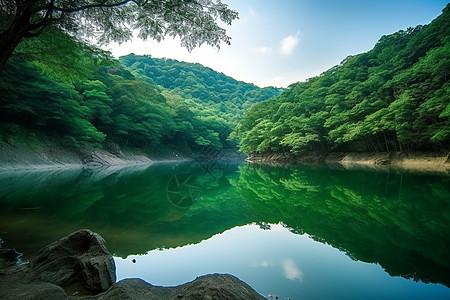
(9, 257)
(33, 290)
(215, 286)
(94, 158)
(79, 257)
(80, 267)
(130, 289)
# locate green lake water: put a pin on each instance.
(299, 232)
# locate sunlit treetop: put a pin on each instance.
(194, 21)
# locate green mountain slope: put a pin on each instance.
(202, 88)
(396, 97)
(100, 103)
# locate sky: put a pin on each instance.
(279, 42)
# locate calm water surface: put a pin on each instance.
(304, 232)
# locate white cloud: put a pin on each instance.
(291, 271)
(288, 44)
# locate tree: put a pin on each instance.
(99, 104)
(194, 21)
(394, 97)
(53, 107)
(62, 56)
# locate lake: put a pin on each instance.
(298, 231)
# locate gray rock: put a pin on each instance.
(9, 257)
(215, 286)
(79, 257)
(80, 267)
(130, 289)
(33, 290)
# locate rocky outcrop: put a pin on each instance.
(14, 157)
(79, 266)
(19, 157)
(9, 257)
(214, 286)
(80, 257)
(91, 157)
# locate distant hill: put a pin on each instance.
(395, 97)
(201, 87)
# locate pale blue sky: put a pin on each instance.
(279, 42)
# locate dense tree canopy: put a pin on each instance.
(205, 90)
(194, 21)
(100, 103)
(392, 98)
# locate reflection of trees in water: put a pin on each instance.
(114, 202)
(182, 191)
(398, 220)
(128, 207)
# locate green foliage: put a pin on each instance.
(140, 115)
(61, 56)
(208, 104)
(213, 93)
(392, 98)
(82, 97)
(52, 106)
(195, 22)
(365, 213)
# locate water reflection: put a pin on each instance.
(291, 271)
(134, 209)
(396, 219)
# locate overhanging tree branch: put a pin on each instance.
(194, 21)
(78, 9)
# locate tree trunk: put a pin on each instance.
(385, 141)
(8, 42)
(380, 147)
(11, 37)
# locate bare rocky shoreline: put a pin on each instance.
(79, 266)
(414, 161)
(23, 158)
(14, 157)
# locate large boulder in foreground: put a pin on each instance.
(80, 266)
(80, 257)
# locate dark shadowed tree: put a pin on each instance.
(194, 21)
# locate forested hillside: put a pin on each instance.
(57, 87)
(392, 98)
(396, 97)
(205, 91)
